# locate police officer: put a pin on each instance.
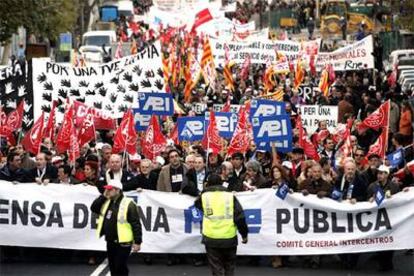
(119, 222)
(222, 217)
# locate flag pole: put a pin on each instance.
(125, 149)
(387, 131)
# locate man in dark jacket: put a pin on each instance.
(147, 179)
(237, 160)
(350, 186)
(12, 171)
(230, 181)
(44, 172)
(196, 177)
(115, 172)
(370, 173)
(220, 225)
(120, 236)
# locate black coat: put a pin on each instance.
(190, 187)
(359, 191)
(109, 228)
(51, 173)
(140, 181)
(19, 175)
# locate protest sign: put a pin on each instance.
(59, 216)
(312, 114)
(141, 121)
(226, 123)
(272, 128)
(356, 56)
(111, 86)
(261, 51)
(16, 86)
(191, 128)
(155, 103)
(262, 107)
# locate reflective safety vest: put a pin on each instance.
(124, 229)
(218, 220)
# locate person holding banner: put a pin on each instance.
(119, 223)
(223, 216)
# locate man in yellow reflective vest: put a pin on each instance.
(119, 223)
(222, 217)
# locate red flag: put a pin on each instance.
(401, 173)
(134, 27)
(244, 72)
(101, 119)
(202, 17)
(154, 142)
(32, 140)
(380, 146)
(49, 131)
(378, 119)
(125, 137)
(392, 79)
(4, 128)
(331, 73)
(312, 65)
(86, 129)
(74, 149)
(65, 131)
(305, 143)
(324, 82)
(299, 74)
(226, 106)
(15, 118)
(240, 140)
(174, 134)
(347, 146)
(212, 140)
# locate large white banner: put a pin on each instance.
(111, 86)
(312, 114)
(261, 51)
(58, 216)
(356, 56)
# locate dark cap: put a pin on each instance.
(214, 180)
(298, 151)
(238, 155)
(373, 155)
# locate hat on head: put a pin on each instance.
(113, 183)
(56, 159)
(160, 160)
(373, 155)
(135, 157)
(287, 164)
(384, 168)
(298, 151)
(238, 155)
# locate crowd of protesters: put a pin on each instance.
(185, 167)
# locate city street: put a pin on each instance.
(36, 265)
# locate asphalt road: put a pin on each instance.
(59, 262)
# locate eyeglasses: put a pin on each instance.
(359, 155)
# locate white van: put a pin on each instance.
(92, 42)
(125, 8)
(98, 38)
